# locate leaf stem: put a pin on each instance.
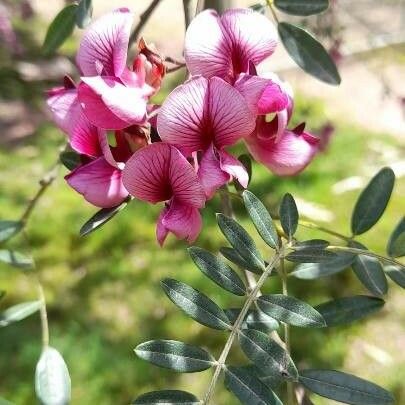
(311, 225)
(143, 19)
(43, 314)
(273, 12)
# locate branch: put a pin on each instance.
(143, 19)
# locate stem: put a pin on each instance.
(311, 225)
(188, 12)
(235, 329)
(43, 314)
(143, 19)
(273, 12)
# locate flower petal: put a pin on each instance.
(103, 48)
(108, 104)
(234, 168)
(99, 183)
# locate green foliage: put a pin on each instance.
(84, 13)
(255, 319)
(311, 255)
(302, 7)
(19, 312)
(289, 215)
(70, 159)
(396, 243)
(16, 259)
(173, 397)
(233, 256)
(396, 274)
(9, 228)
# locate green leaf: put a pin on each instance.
(52, 380)
(248, 388)
(100, 218)
(233, 256)
(372, 201)
(15, 259)
(167, 397)
(311, 255)
(70, 159)
(258, 7)
(267, 354)
(289, 215)
(9, 229)
(310, 271)
(349, 309)
(195, 304)
(261, 219)
(396, 274)
(19, 312)
(84, 13)
(344, 387)
(396, 243)
(218, 271)
(240, 241)
(247, 164)
(370, 272)
(272, 380)
(311, 244)
(60, 29)
(302, 7)
(175, 355)
(290, 310)
(308, 53)
(257, 320)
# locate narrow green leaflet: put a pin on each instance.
(257, 320)
(302, 7)
(233, 256)
(372, 201)
(52, 380)
(218, 271)
(311, 255)
(312, 244)
(310, 271)
(19, 312)
(247, 163)
(248, 388)
(290, 310)
(167, 397)
(195, 304)
(70, 159)
(370, 272)
(396, 243)
(272, 380)
(9, 229)
(84, 13)
(396, 274)
(240, 240)
(15, 259)
(289, 215)
(346, 310)
(175, 355)
(268, 355)
(60, 29)
(100, 218)
(261, 219)
(308, 53)
(344, 387)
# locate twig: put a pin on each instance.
(188, 12)
(273, 12)
(311, 225)
(43, 314)
(143, 19)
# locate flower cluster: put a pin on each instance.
(108, 116)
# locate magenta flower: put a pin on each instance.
(159, 172)
(207, 115)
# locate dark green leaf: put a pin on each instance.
(267, 354)
(348, 309)
(9, 229)
(372, 201)
(233, 256)
(261, 219)
(52, 380)
(369, 271)
(247, 163)
(308, 53)
(70, 159)
(290, 310)
(167, 397)
(260, 8)
(311, 244)
(60, 29)
(254, 320)
(396, 243)
(302, 7)
(344, 387)
(100, 218)
(289, 215)
(310, 271)
(272, 380)
(218, 271)
(195, 304)
(311, 255)
(247, 387)
(19, 312)
(240, 241)
(84, 13)
(396, 274)
(15, 259)
(175, 355)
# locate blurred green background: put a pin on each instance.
(103, 291)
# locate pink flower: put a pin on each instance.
(159, 172)
(111, 95)
(224, 45)
(207, 115)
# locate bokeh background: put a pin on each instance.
(103, 290)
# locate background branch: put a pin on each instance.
(143, 20)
